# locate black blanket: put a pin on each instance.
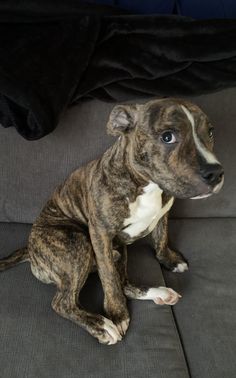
(52, 60)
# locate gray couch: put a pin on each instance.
(197, 337)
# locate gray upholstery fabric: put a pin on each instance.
(33, 169)
(206, 315)
(35, 342)
(30, 171)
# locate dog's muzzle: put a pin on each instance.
(213, 176)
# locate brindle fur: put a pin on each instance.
(166, 256)
(82, 223)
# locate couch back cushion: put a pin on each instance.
(30, 170)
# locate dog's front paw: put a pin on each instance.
(164, 295)
(123, 325)
(180, 267)
(119, 314)
(173, 261)
(107, 332)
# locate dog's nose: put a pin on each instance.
(212, 174)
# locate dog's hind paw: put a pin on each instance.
(108, 333)
(165, 295)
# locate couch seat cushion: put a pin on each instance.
(206, 315)
(36, 342)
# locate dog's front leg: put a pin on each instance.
(170, 259)
(160, 295)
(121, 264)
(114, 299)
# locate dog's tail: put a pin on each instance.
(17, 257)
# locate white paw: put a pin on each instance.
(123, 326)
(165, 295)
(180, 268)
(111, 333)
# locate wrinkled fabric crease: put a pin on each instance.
(49, 64)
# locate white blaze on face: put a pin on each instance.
(204, 152)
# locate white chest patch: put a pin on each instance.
(146, 211)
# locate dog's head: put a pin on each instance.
(170, 142)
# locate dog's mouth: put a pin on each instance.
(201, 196)
(214, 190)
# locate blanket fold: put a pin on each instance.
(50, 63)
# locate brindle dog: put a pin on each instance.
(164, 151)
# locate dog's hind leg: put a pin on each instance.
(66, 304)
(71, 275)
(64, 256)
(171, 260)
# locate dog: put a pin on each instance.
(163, 151)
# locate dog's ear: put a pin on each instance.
(122, 120)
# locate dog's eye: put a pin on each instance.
(211, 132)
(168, 137)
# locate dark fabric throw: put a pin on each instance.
(50, 61)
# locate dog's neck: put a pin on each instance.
(117, 161)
